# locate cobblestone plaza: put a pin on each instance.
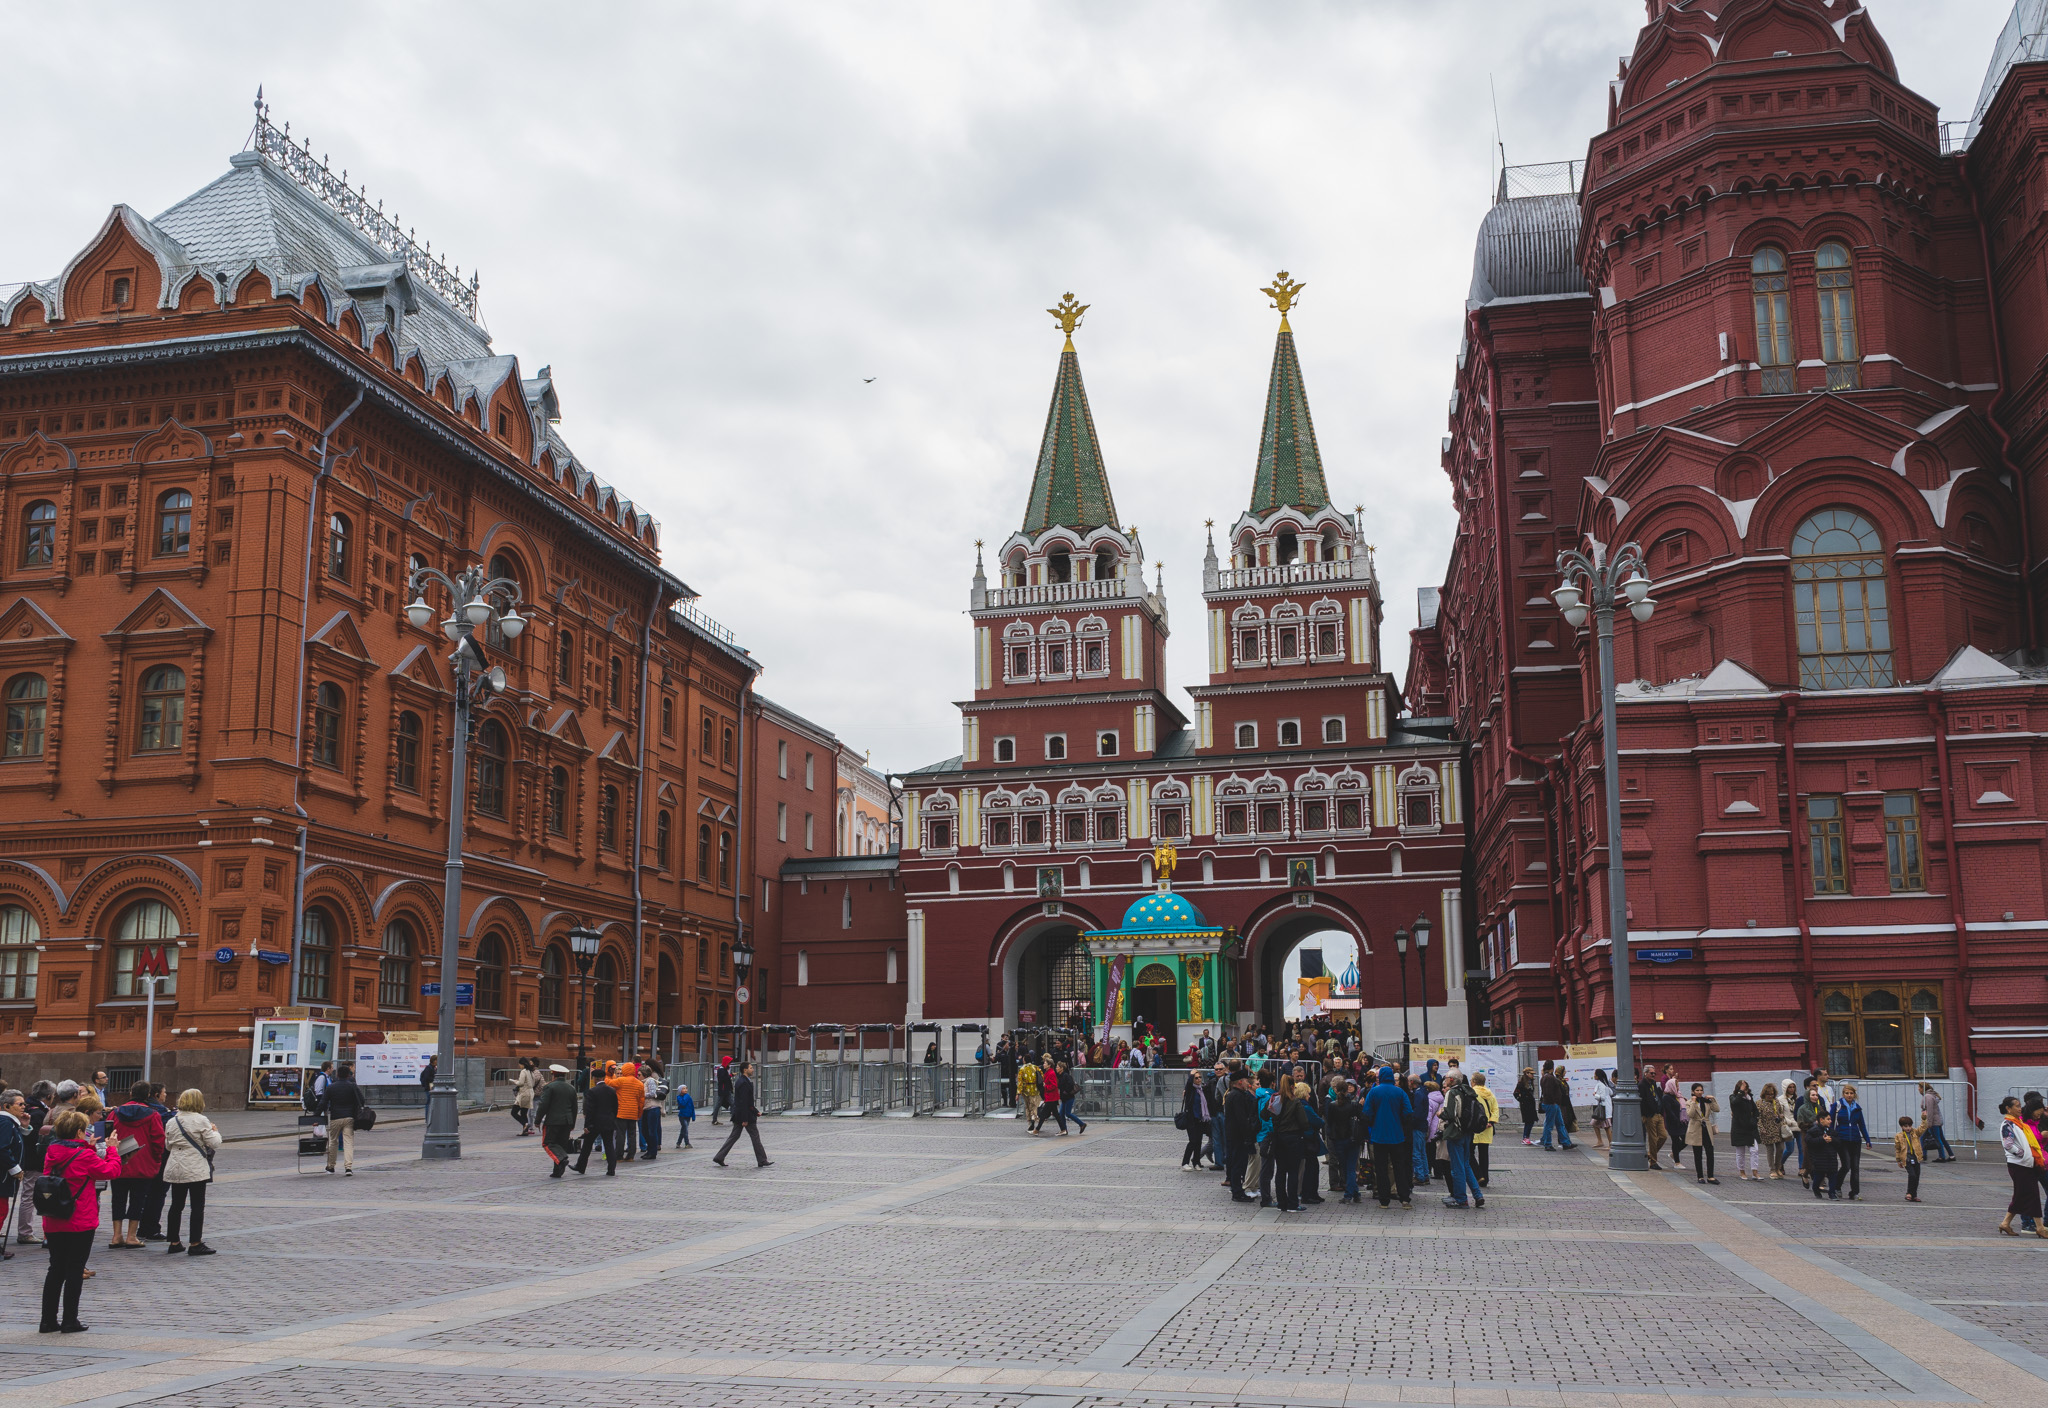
(965, 1265)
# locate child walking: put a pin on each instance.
(1906, 1148)
(686, 1111)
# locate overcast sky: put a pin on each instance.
(716, 221)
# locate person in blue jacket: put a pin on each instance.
(686, 1110)
(1852, 1137)
(1418, 1138)
(1386, 1130)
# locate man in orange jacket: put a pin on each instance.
(624, 1077)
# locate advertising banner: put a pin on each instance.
(395, 1063)
(1419, 1057)
(1579, 1064)
(1499, 1064)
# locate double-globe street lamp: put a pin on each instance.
(742, 970)
(583, 945)
(1421, 928)
(476, 600)
(1596, 584)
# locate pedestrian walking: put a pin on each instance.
(654, 1091)
(345, 1104)
(1482, 1142)
(1028, 1092)
(600, 1123)
(1525, 1098)
(1193, 1120)
(2023, 1161)
(35, 1113)
(1555, 1096)
(1743, 1133)
(1700, 1109)
(1674, 1120)
(1930, 1121)
(1852, 1137)
(1240, 1133)
(1070, 1089)
(554, 1111)
(1771, 1120)
(721, 1093)
(1909, 1152)
(158, 1190)
(14, 1137)
(1461, 1117)
(1603, 1107)
(138, 1135)
(190, 1140)
(686, 1115)
(1822, 1166)
(70, 1209)
(428, 1072)
(624, 1078)
(523, 1092)
(745, 1117)
(1049, 1095)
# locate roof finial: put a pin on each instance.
(1285, 293)
(1068, 312)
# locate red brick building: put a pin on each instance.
(227, 436)
(1784, 331)
(1296, 800)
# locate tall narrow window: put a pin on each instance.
(39, 535)
(1902, 841)
(490, 768)
(144, 930)
(163, 711)
(782, 758)
(726, 747)
(615, 683)
(558, 801)
(608, 818)
(1840, 609)
(1824, 845)
(604, 989)
(704, 851)
(405, 759)
(19, 935)
(725, 858)
(668, 716)
(1835, 279)
(662, 838)
(316, 956)
(552, 970)
(490, 975)
(337, 547)
(174, 524)
(394, 969)
(565, 657)
(1771, 287)
(329, 703)
(704, 735)
(27, 699)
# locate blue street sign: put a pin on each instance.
(1664, 955)
(269, 956)
(223, 955)
(465, 994)
(430, 989)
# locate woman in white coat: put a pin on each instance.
(190, 1139)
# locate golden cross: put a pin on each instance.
(1284, 292)
(1068, 312)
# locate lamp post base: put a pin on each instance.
(1628, 1154)
(443, 1139)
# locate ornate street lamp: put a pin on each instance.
(1421, 927)
(474, 601)
(1401, 949)
(1596, 584)
(583, 945)
(742, 969)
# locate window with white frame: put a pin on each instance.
(1031, 817)
(810, 830)
(1056, 650)
(782, 821)
(1290, 733)
(1326, 632)
(1248, 635)
(1247, 735)
(1418, 798)
(1288, 636)
(782, 758)
(1333, 729)
(1006, 750)
(1018, 652)
(1055, 747)
(1092, 643)
(1106, 743)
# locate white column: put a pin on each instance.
(914, 943)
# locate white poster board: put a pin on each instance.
(398, 1063)
(1499, 1064)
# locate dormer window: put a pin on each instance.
(504, 425)
(123, 292)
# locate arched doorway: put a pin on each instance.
(1155, 997)
(1049, 975)
(1277, 952)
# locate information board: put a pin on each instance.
(395, 1063)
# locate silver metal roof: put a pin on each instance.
(1527, 247)
(2024, 40)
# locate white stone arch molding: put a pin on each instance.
(1248, 617)
(998, 802)
(1314, 786)
(1346, 785)
(1418, 779)
(938, 806)
(1015, 936)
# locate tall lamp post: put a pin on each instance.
(742, 970)
(1421, 927)
(1401, 949)
(583, 945)
(475, 600)
(1597, 584)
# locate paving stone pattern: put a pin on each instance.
(942, 1264)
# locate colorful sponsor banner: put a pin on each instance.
(393, 1063)
(1498, 1062)
(1579, 1064)
(1117, 968)
(1419, 1057)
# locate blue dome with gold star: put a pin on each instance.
(1164, 913)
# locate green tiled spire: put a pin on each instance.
(1071, 487)
(1290, 466)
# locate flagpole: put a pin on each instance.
(149, 1027)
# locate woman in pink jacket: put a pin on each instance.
(78, 1162)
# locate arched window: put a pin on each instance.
(701, 1014)
(337, 547)
(174, 524)
(704, 851)
(394, 969)
(490, 768)
(405, 768)
(146, 934)
(329, 703)
(721, 1012)
(503, 566)
(27, 699)
(615, 683)
(565, 657)
(163, 711)
(661, 839)
(703, 955)
(1839, 606)
(39, 535)
(725, 858)
(552, 967)
(604, 989)
(1770, 287)
(490, 975)
(558, 801)
(608, 818)
(316, 956)
(19, 935)
(1834, 280)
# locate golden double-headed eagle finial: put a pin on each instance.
(1284, 292)
(1068, 312)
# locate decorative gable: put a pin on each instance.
(171, 442)
(160, 614)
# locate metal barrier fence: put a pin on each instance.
(781, 1086)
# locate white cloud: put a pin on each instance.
(715, 220)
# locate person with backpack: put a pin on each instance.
(191, 1141)
(70, 1209)
(1461, 1117)
(138, 1135)
(1070, 1089)
(345, 1105)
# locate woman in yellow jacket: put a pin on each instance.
(1482, 1142)
(632, 1100)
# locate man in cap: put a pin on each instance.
(554, 1110)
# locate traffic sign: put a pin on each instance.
(465, 994)
(740, 995)
(223, 955)
(430, 989)
(272, 956)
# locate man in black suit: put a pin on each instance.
(1240, 1133)
(745, 1116)
(600, 1125)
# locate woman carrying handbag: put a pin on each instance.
(192, 1139)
